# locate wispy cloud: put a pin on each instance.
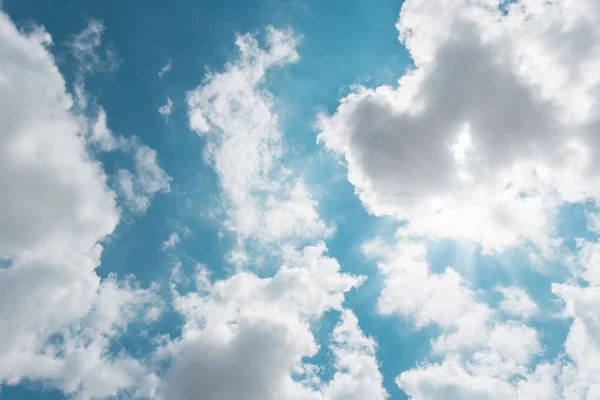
(165, 69)
(166, 109)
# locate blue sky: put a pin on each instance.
(298, 199)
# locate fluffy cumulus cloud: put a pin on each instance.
(411, 289)
(493, 125)
(517, 302)
(491, 130)
(248, 336)
(264, 200)
(58, 318)
(494, 358)
(582, 379)
(357, 375)
(481, 355)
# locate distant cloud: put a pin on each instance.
(165, 69)
(85, 47)
(171, 241)
(137, 189)
(517, 302)
(166, 109)
(176, 272)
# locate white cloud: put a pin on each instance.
(246, 337)
(491, 131)
(76, 358)
(176, 272)
(517, 302)
(138, 189)
(263, 200)
(411, 289)
(167, 68)
(482, 355)
(357, 375)
(587, 264)
(166, 109)
(78, 208)
(450, 381)
(101, 135)
(171, 242)
(58, 318)
(503, 82)
(85, 47)
(581, 379)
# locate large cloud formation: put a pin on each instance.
(483, 139)
(493, 125)
(247, 337)
(57, 318)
